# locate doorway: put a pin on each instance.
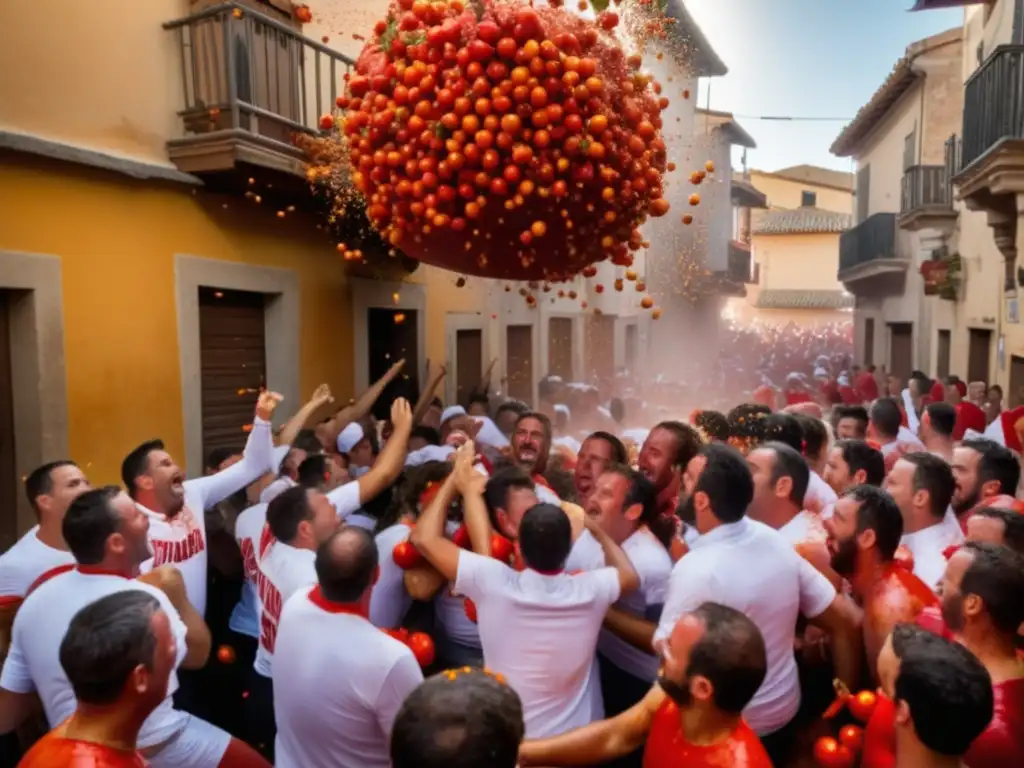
(601, 347)
(1015, 396)
(979, 348)
(233, 363)
(392, 334)
(519, 362)
(869, 341)
(469, 353)
(901, 349)
(8, 465)
(942, 358)
(560, 347)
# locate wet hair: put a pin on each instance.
(346, 563)
(218, 456)
(885, 416)
(942, 417)
(106, 641)
(947, 689)
(856, 412)
(429, 435)
(1013, 525)
(789, 463)
(996, 575)
(687, 439)
(995, 462)
(877, 511)
(619, 453)
(714, 424)
(641, 491)
(40, 480)
(136, 464)
(731, 654)
(467, 721)
(932, 474)
(859, 455)
(727, 482)
(89, 522)
(287, 510)
(784, 428)
(746, 421)
(815, 436)
(545, 537)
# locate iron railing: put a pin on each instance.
(925, 186)
(953, 156)
(993, 103)
(244, 71)
(738, 269)
(874, 238)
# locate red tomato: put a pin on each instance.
(470, 608)
(851, 737)
(422, 647)
(829, 753)
(406, 556)
(226, 654)
(904, 558)
(461, 537)
(862, 705)
(501, 548)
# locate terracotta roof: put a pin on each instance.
(799, 221)
(795, 299)
(904, 74)
(705, 61)
(814, 175)
(726, 122)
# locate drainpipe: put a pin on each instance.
(1018, 22)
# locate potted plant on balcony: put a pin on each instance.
(942, 277)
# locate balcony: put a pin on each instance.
(251, 84)
(868, 259)
(926, 199)
(737, 275)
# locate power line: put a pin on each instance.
(792, 119)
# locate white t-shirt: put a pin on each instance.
(253, 537)
(540, 632)
(805, 526)
(283, 571)
(27, 562)
(181, 540)
(389, 602)
(819, 493)
(339, 682)
(653, 563)
(752, 568)
(33, 662)
(929, 545)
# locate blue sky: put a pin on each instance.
(805, 58)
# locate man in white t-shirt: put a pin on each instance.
(746, 565)
(42, 551)
(781, 477)
(339, 681)
(538, 627)
(107, 534)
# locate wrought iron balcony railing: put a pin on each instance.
(871, 240)
(925, 186)
(993, 103)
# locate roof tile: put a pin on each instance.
(781, 221)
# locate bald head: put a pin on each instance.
(346, 564)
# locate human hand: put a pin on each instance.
(401, 415)
(266, 404)
(322, 395)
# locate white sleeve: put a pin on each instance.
(687, 589)
(178, 628)
(607, 586)
(655, 583)
(345, 499)
(478, 575)
(402, 679)
(257, 460)
(816, 592)
(16, 676)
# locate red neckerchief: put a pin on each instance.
(487, 464)
(538, 479)
(47, 576)
(316, 597)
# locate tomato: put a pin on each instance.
(469, 607)
(501, 548)
(461, 537)
(904, 558)
(406, 556)
(862, 705)
(422, 646)
(226, 654)
(851, 737)
(829, 753)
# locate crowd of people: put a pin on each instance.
(830, 570)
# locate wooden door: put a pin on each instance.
(979, 347)
(601, 347)
(560, 347)
(232, 349)
(942, 359)
(869, 341)
(8, 466)
(519, 362)
(393, 335)
(469, 354)
(901, 350)
(1016, 393)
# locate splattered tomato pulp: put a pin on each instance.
(502, 140)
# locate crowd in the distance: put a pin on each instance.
(813, 575)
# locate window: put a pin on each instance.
(808, 199)
(909, 145)
(863, 192)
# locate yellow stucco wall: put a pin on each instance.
(783, 193)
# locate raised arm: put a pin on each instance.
(321, 397)
(470, 484)
(198, 640)
(637, 631)
(364, 402)
(427, 395)
(614, 557)
(257, 458)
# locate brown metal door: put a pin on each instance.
(901, 349)
(601, 346)
(8, 466)
(978, 349)
(1016, 393)
(232, 340)
(560, 347)
(519, 362)
(942, 360)
(469, 353)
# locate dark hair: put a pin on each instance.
(727, 482)
(746, 421)
(544, 421)
(942, 417)
(886, 417)
(856, 412)
(877, 511)
(89, 522)
(437, 402)
(995, 462)
(560, 480)
(467, 721)
(306, 440)
(641, 491)
(546, 388)
(517, 407)
(859, 455)
(313, 472)
(545, 537)
(714, 424)
(731, 654)
(1013, 525)
(952, 380)
(429, 435)
(136, 464)
(218, 456)
(619, 453)
(287, 510)
(617, 408)
(106, 641)
(40, 480)
(784, 428)
(997, 388)
(408, 488)
(688, 441)
(480, 398)
(789, 463)
(996, 575)
(815, 435)
(346, 563)
(932, 474)
(948, 690)
(500, 484)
